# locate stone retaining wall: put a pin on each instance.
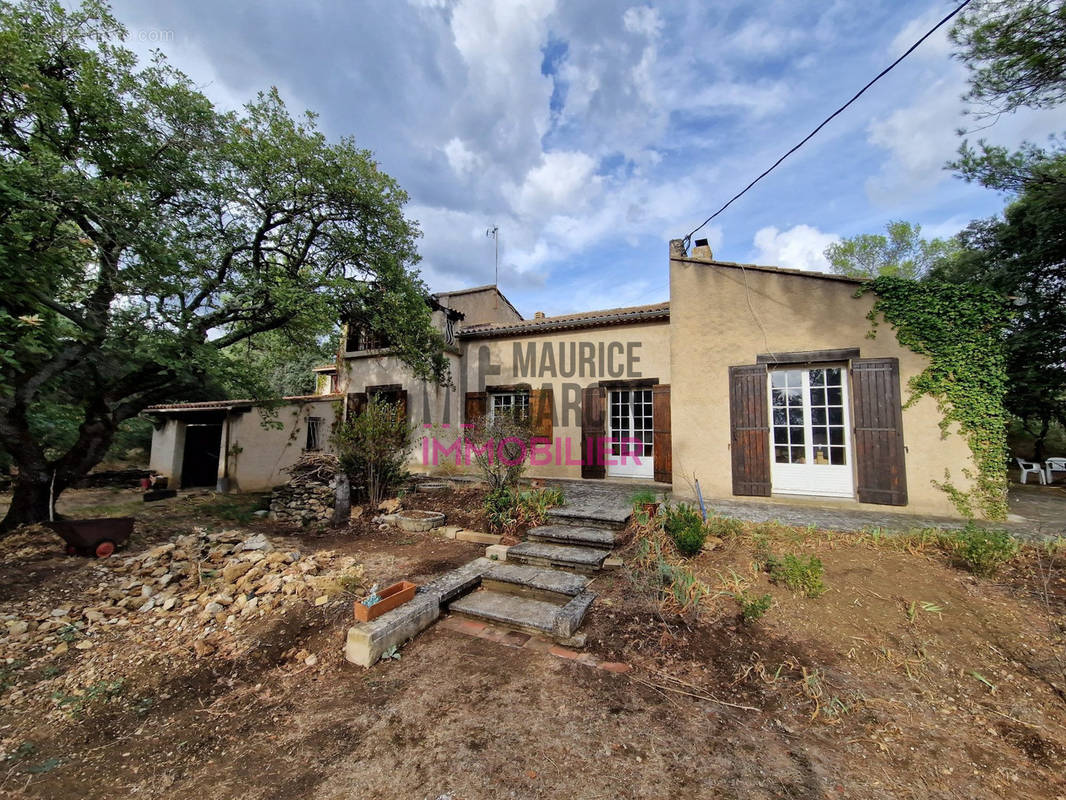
(303, 504)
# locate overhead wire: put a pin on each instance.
(827, 120)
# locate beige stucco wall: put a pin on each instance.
(168, 445)
(649, 342)
(260, 452)
(477, 307)
(724, 316)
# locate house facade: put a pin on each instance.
(754, 381)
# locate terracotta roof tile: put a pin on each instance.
(209, 405)
(585, 319)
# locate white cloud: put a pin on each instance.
(799, 247)
(562, 183)
(463, 160)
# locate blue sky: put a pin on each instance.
(593, 132)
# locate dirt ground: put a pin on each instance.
(862, 692)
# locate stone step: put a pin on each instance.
(524, 613)
(544, 554)
(582, 536)
(591, 516)
(548, 585)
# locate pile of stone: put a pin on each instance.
(303, 503)
(197, 591)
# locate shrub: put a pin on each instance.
(983, 551)
(752, 608)
(500, 448)
(373, 447)
(641, 498)
(685, 527)
(798, 574)
(533, 505)
(501, 508)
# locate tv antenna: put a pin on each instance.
(494, 234)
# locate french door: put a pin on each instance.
(809, 429)
(631, 433)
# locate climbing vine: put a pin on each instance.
(961, 330)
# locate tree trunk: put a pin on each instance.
(342, 505)
(29, 502)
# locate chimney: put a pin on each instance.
(702, 251)
(677, 248)
(538, 315)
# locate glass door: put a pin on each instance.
(631, 433)
(809, 427)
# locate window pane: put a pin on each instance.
(836, 436)
(819, 436)
(780, 435)
(817, 377)
(832, 376)
(780, 416)
(798, 455)
(777, 379)
(835, 396)
(781, 455)
(818, 416)
(796, 435)
(817, 397)
(836, 416)
(778, 397)
(795, 416)
(836, 456)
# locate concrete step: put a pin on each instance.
(582, 536)
(548, 585)
(569, 557)
(524, 613)
(591, 516)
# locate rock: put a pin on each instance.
(390, 505)
(322, 600)
(311, 660)
(169, 603)
(84, 644)
(213, 608)
(148, 606)
(257, 542)
(202, 648)
(60, 612)
(231, 573)
(17, 627)
(60, 648)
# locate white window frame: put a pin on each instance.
(514, 398)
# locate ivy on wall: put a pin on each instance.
(960, 329)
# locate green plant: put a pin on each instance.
(752, 608)
(684, 525)
(674, 583)
(725, 527)
(498, 447)
(798, 574)
(984, 551)
(74, 703)
(372, 447)
(501, 508)
(532, 506)
(642, 498)
(960, 328)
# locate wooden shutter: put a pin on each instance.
(477, 406)
(749, 422)
(662, 456)
(877, 411)
(592, 433)
(540, 410)
(401, 404)
(356, 404)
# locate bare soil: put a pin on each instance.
(856, 693)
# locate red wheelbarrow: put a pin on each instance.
(88, 537)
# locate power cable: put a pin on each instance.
(826, 121)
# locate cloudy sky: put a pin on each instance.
(592, 132)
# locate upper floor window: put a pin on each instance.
(315, 431)
(359, 338)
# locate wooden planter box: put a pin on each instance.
(391, 597)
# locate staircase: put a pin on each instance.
(542, 588)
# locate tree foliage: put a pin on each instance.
(1023, 255)
(900, 253)
(1015, 51)
(144, 233)
(373, 447)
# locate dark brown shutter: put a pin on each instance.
(477, 406)
(750, 430)
(880, 457)
(662, 456)
(356, 404)
(592, 433)
(540, 410)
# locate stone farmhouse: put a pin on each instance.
(756, 381)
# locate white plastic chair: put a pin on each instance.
(1031, 468)
(1055, 464)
